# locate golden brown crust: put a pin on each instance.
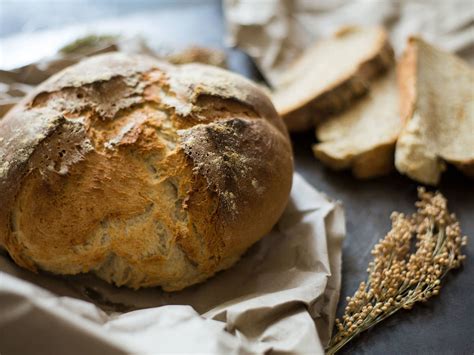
(142, 172)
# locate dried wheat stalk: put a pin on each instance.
(399, 277)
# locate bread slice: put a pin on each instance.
(437, 104)
(329, 75)
(363, 138)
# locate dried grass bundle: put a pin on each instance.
(400, 276)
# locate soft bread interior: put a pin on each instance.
(363, 137)
(439, 112)
(325, 65)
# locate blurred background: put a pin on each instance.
(33, 29)
(37, 15)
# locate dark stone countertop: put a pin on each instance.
(442, 325)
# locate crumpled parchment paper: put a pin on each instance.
(281, 296)
(275, 32)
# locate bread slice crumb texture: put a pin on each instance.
(363, 138)
(437, 99)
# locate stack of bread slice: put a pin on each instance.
(330, 75)
(366, 116)
(363, 137)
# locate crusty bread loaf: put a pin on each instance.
(437, 105)
(329, 75)
(363, 137)
(141, 172)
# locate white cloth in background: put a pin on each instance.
(273, 32)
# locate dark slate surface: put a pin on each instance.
(443, 325)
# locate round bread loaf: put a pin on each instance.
(141, 172)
